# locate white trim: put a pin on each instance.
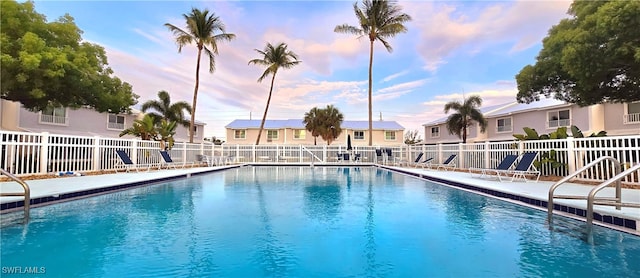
(395, 137)
(303, 137)
(630, 119)
(364, 136)
(235, 137)
(124, 122)
(560, 123)
(54, 118)
(431, 132)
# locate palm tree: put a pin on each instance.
(466, 114)
(166, 130)
(312, 122)
(164, 109)
(205, 30)
(273, 58)
(143, 128)
(331, 124)
(378, 20)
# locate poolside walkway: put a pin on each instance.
(58, 189)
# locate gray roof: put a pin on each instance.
(485, 110)
(297, 124)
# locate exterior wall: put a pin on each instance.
(83, 121)
(9, 112)
(252, 134)
(446, 137)
(613, 122)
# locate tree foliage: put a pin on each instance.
(412, 137)
(590, 58)
(324, 122)
(378, 20)
(47, 64)
(205, 30)
(466, 113)
(274, 58)
(313, 123)
(164, 109)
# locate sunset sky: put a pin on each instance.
(452, 48)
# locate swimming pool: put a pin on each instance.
(308, 222)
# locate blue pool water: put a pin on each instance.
(308, 222)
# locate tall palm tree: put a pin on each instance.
(206, 30)
(378, 20)
(466, 114)
(164, 109)
(331, 123)
(312, 122)
(273, 58)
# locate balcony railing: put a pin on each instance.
(633, 118)
(50, 119)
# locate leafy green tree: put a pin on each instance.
(47, 64)
(312, 122)
(143, 128)
(206, 31)
(466, 113)
(274, 58)
(164, 109)
(330, 123)
(590, 58)
(412, 137)
(377, 20)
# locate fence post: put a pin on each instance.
(96, 153)
(571, 156)
(324, 153)
(134, 150)
(520, 147)
(487, 154)
(44, 152)
(461, 147)
(439, 153)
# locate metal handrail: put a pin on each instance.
(576, 173)
(26, 194)
(312, 154)
(617, 178)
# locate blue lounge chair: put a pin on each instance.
(449, 163)
(415, 161)
(505, 165)
(127, 163)
(425, 163)
(168, 161)
(523, 169)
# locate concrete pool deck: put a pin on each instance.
(48, 191)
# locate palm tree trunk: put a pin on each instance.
(264, 117)
(192, 123)
(370, 94)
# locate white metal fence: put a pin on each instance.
(23, 153)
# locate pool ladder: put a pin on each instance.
(591, 197)
(26, 193)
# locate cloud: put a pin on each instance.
(444, 28)
(394, 76)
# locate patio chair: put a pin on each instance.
(449, 163)
(504, 165)
(523, 169)
(168, 161)
(416, 161)
(379, 155)
(126, 162)
(424, 163)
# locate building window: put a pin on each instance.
(358, 135)
(54, 115)
(632, 113)
(558, 118)
(116, 122)
(299, 134)
(504, 125)
(272, 135)
(435, 132)
(195, 131)
(240, 134)
(389, 135)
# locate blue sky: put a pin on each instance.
(451, 48)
